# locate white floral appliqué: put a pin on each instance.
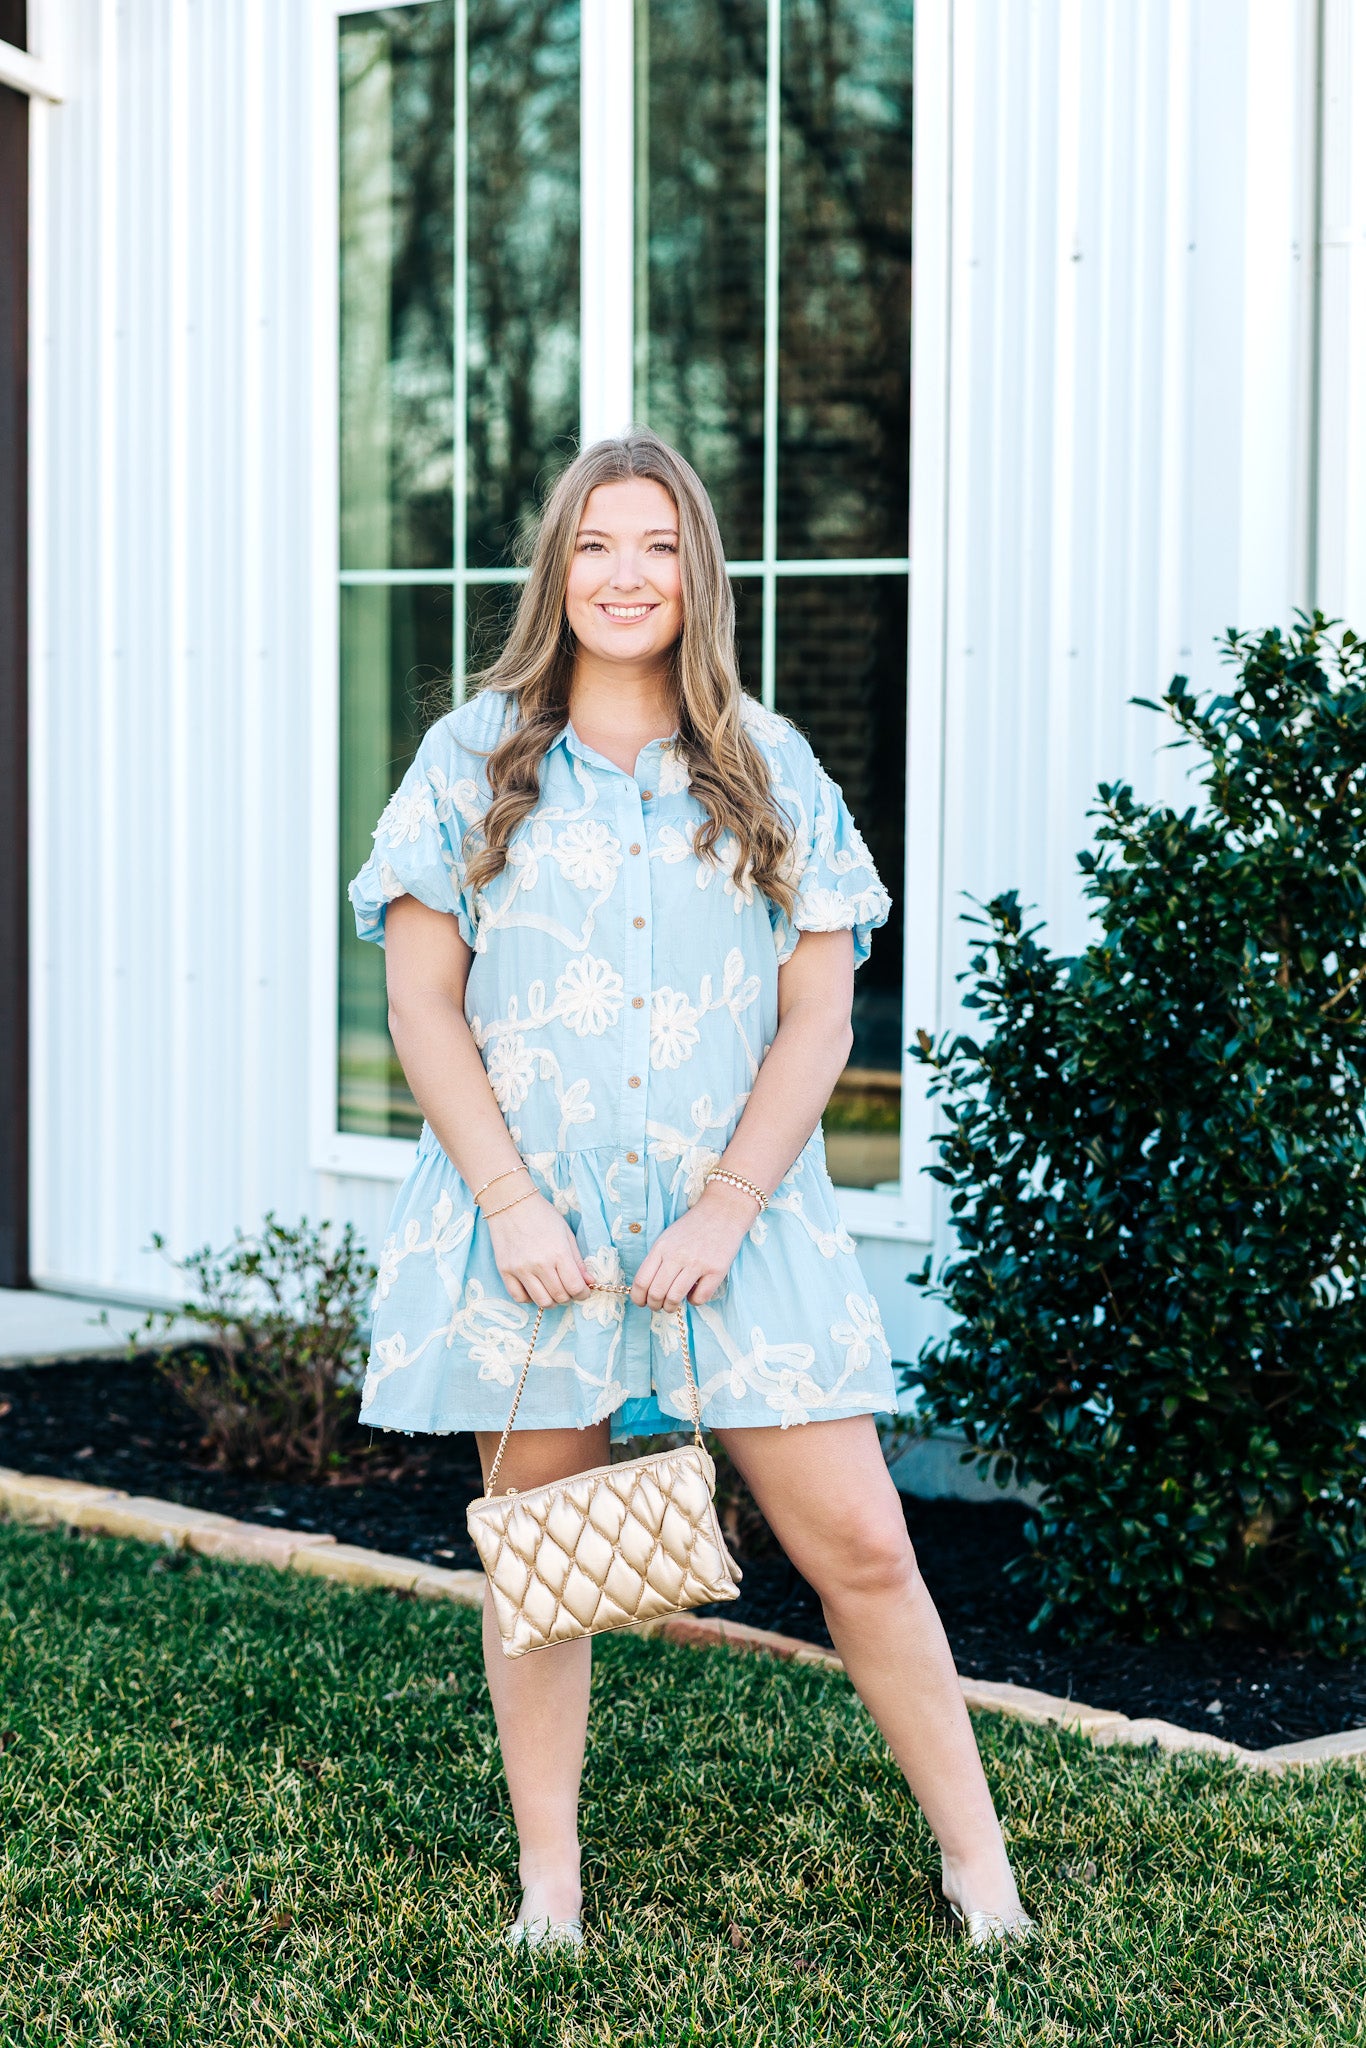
(588, 995)
(511, 1070)
(406, 814)
(673, 1028)
(588, 854)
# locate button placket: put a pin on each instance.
(638, 929)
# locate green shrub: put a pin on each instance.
(1156, 1157)
(276, 1383)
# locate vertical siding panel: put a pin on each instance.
(111, 357)
(56, 816)
(1277, 230)
(1216, 479)
(137, 857)
(42, 1017)
(174, 1177)
(1053, 676)
(215, 590)
(305, 177)
(996, 277)
(1341, 509)
(256, 768)
(1038, 343)
(1174, 258)
(1129, 731)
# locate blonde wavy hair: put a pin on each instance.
(729, 775)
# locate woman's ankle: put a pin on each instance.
(981, 1883)
(534, 1865)
(551, 1883)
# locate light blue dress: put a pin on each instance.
(622, 994)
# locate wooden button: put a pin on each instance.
(645, 795)
(635, 1226)
(634, 1081)
(639, 923)
(635, 846)
(632, 1158)
(637, 1002)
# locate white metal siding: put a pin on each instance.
(1128, 388)
(1340, 525)
(1120, 349)
(1130, 308)
(173, 764)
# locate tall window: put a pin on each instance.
(459, 162)
(771, 320)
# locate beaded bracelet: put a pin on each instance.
(506, 1174)
(489, 1214)
(720, 1173)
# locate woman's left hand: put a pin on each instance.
(690, 1260)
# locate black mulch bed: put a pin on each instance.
(118, 1424)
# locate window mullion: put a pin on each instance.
(772, 222)
(607, 217)
(460, 339)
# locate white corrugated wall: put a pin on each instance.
(1339, 538)
(1132, 202)
(1118, 379)
(173, 754)
(1128, 417)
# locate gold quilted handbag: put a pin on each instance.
(607, 1548)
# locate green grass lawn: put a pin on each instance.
(245, 1807)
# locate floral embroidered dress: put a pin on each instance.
(622, 994)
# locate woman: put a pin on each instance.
(623, 906)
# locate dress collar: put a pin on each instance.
(570, 741)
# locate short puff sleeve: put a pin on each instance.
(838, 886)
(418, 840)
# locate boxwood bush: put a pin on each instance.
(1156, 1162)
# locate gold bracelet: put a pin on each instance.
(506, 1174)
(489, 1214)
(736, 1181)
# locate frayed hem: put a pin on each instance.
(671, 1425)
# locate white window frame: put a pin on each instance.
(607, 352)
(35, 71)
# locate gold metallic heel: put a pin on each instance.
(545, 1933)
(982, 1929)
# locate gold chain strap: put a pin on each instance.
(599, 1287)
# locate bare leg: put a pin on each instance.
(540, 1702)
(829, 1499)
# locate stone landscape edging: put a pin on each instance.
(43, 1502)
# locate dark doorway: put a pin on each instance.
(14, 1049)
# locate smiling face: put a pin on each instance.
(624, 597)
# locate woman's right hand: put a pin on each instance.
(537, 1254)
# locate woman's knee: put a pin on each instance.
(868, 1556)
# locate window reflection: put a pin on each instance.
(489, 610)
(842, 678)
(700, 246)
(523, 258)
(397, 298)
(395, 677)
(749, 631)
(845, 301)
